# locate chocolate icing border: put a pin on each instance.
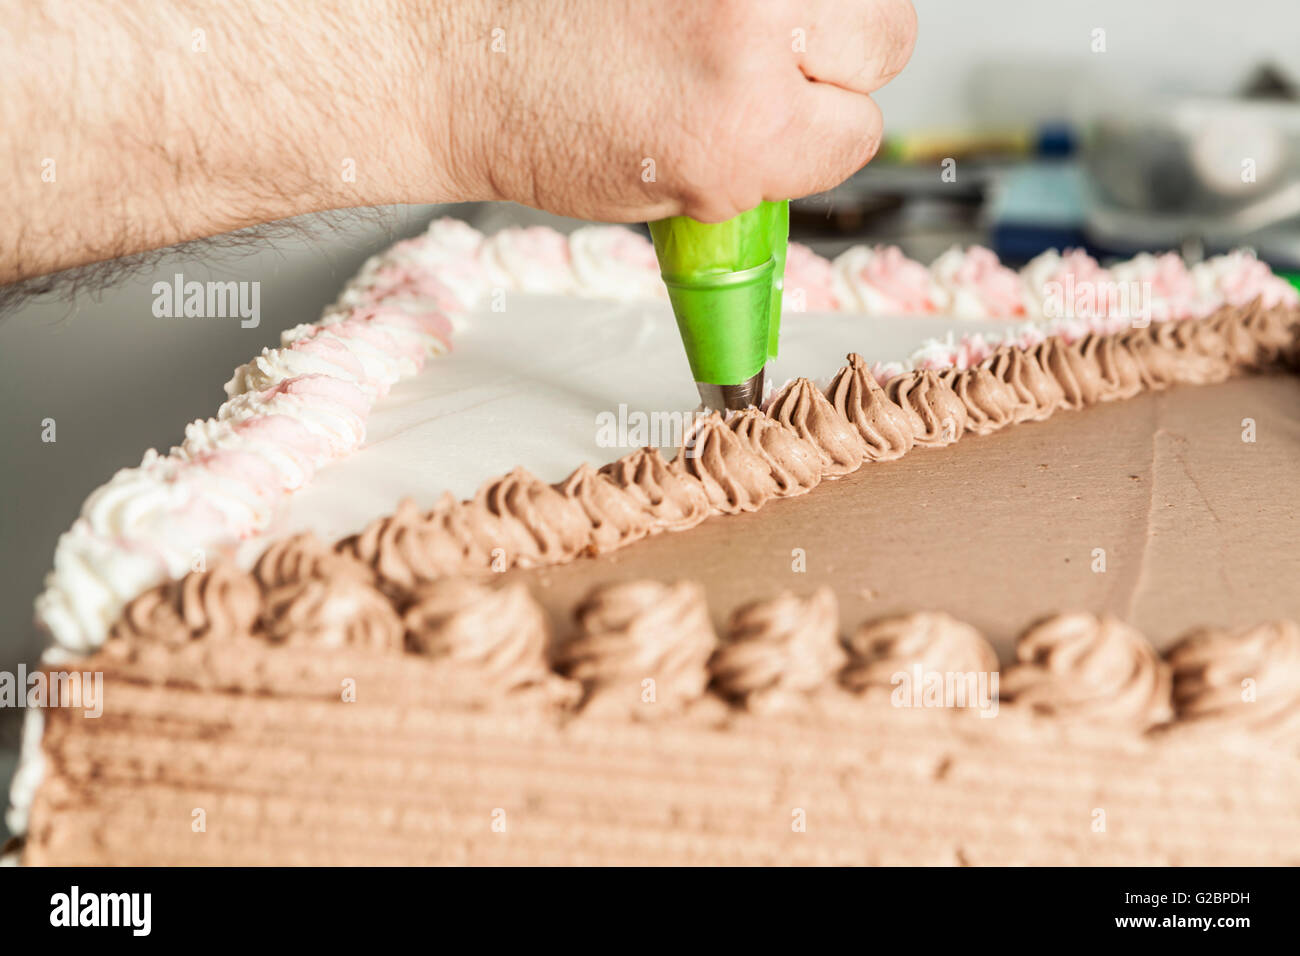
(518, 520)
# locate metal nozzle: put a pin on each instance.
(727, 397)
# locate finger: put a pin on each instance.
(833, 133)
(858, 45)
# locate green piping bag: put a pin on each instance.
(724, 282)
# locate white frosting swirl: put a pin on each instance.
(531, 259)
(610, 262)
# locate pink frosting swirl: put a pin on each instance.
(980, 286)
(883, 281)
(807, 281)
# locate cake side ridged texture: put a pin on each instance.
(469, 747)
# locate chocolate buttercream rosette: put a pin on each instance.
(641, 650)
(1090, 669)
(1243, 681)
(779, 650)
(490, 641)
(888, 652)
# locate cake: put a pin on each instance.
(1016, 584)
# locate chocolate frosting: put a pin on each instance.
(795, 464)
(409, 547)
(735, 479)
(301, 557)
(783, 646)
(1247, 679)
(617, 515)
(934, 411)
(339, 610)
(801, 407)
(1117, 369)
(932, 640)
(1038, 394)
(1158, 362)
(493, 637)
(642, 647)
(302, 592)
(1273, 330)
(1091, 668)
(1243, 350)
(1204, 348)
(532, 522)
(990, 402)
(1075, 371)
(675, 502)
(885, 430)
(217, 604)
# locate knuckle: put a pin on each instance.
(894, 36)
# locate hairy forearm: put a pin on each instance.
(129, 125)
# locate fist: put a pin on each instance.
(623, 111)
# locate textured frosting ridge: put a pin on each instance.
(1090, 668)
(636, 632)
(301, 557)
(931, 640)
(1038, 393)
(783, 646)
(337, 610)
(934, 411)
(1246, 679)
(1117, 370)
(1074, 370)
(409, 547)
(857, 397)
(674, 502)
(217, 604)
(734, 478)
(496, 637)
(617, 516)
(527, 518)
(802, 408)
(795, 463)
(990, 403)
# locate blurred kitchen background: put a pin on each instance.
(1116, 125)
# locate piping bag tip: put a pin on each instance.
(724, 281)
(729, 397)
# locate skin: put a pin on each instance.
(124, 130)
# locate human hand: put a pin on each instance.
(621, 111)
